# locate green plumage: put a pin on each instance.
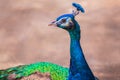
(57, 72)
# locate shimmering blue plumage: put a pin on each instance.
(78, 7)
(65, 15)
(79, 69)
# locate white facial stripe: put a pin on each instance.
(65, 24)
(62, 18)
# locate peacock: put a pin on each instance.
(78, 69)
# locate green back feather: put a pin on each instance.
(57, 72)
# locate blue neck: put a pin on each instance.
(78, 64)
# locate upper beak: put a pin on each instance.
(53, 23)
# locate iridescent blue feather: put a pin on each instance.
(78, 7)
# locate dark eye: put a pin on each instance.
(63, 20)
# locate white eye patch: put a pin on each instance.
(65, 21)
(61, 20)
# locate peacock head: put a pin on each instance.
(67, 21)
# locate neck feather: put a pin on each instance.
(78, 63)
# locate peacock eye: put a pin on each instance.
(63, 20)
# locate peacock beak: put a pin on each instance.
(53, 23)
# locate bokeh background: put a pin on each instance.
(25, 36)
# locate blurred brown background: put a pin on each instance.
(25, 37)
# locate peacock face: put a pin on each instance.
(67, 21)
(64, 22)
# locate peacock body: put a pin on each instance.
(78, 70)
